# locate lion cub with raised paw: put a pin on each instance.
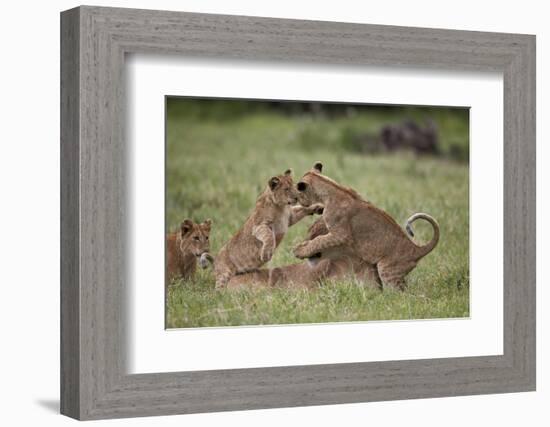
(362, 227)
(337, 263)
(254, 244)
(184, 247)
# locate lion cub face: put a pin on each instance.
(195, 237)
(307, 193)
(283, 190)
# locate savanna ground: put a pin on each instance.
(220, 156)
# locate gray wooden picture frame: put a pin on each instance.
(94, 382)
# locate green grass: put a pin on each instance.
(216, 169)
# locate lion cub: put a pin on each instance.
(337, 263)
(184, 247)
(363, 228)
(253, 245)
(295, 276)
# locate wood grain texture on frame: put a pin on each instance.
(94, 270)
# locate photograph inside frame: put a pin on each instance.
(287, 212)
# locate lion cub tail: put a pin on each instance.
(428, 247)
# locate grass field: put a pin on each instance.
(216, 167)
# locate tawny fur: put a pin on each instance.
(344, 261)
(184, 247)
(255, 242)
(362, 228)
(335, 264)
(299, 275)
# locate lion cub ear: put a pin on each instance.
(318, 166)
(186, 226)
(207, 224)
(288, 172)
(274, 182)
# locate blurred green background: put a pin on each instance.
(221, 153)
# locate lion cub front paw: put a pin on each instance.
(301, 251)
(205, 259)
(266, 254)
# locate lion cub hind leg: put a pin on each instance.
(223, 273)
(251, 280)
(393, 273)
(369, 274)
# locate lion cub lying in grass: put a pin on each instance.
(364, 229)
(253, 245)
(184, 247)
(335, 264)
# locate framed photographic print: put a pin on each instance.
(262, 213)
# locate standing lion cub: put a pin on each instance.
(363, 228)
(184, 247)
(255, 242)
